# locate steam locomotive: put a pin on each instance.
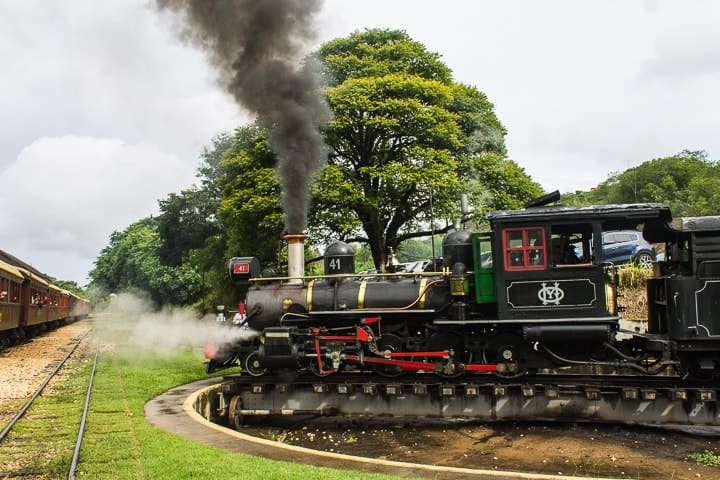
(531, 295)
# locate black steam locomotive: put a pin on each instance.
(531, 296)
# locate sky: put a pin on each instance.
(103, 111)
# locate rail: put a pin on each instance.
(39, 390)
(81, 431)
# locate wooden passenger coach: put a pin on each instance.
(11, 280)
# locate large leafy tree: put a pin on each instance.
(401, 129)
(405, 140)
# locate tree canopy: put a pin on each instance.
(132, 262)
(401, 128)
(404, 141)
(688, 182)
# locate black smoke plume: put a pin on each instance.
(257, 48)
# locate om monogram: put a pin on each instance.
(550, 294)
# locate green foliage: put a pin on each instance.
(185, 223)
(689, 183)
(376, 53)
(70, 286)
(132, 262)
(494, 182)
(250, 210)
(420, 249)
(706, 458)
(400, 125)
(633, 276)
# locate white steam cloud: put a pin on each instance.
(133, 320)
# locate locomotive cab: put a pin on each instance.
(551, 279)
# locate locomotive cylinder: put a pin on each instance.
(269, 302)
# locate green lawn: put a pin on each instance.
(119, 443)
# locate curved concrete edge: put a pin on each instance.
(339, 460)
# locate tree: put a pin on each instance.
(687, 182)
(494, 182)
(401, 127)
(70, 286)
(186, 221)
(250, 210)
(131, 262)
(704, 193)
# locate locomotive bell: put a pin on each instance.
(339, 259)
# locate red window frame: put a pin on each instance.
(525, 250)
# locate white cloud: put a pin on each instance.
(104, 111)
(68, 194)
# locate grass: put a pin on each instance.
(119, 443)
(633, 276)
(706, 458)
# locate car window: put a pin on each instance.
(609, 238)
(626, 237)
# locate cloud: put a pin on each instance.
(686, 45)
(584, 89)
(68, 194)
(104, 113)
(111, 70)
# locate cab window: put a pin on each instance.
(571, 244)
(524, 248)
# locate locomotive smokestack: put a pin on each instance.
(296, 257)
(257, 48)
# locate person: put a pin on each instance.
(568, 252)
(240, 317)
(392, 263)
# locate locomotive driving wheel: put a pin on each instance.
(234, 417)
(388, 342)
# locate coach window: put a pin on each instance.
(14, 292)
(524, 248)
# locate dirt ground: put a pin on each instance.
(589, 450)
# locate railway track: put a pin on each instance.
(56, 369)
